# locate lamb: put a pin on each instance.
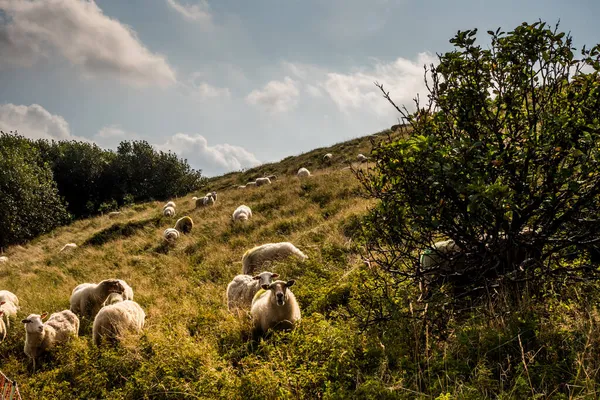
(303, 172)
(361, 158)
(258, 255)
(115, 320)
(184, 224)
(87, 298)
(205, 201)
(242, 289)
(272, 177)
(3, 259)
(274, 308)
(168, 211)
(116, 297)
(242, 213)
(171, 234)
(262, 181)
(68, 247)
(169, 204)
(41, 337)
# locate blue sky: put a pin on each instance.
(229, 84)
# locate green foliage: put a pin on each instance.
(504, 160)
(29, 199)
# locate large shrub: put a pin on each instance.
(503, 159)
(29, 200)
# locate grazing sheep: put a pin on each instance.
(274, 308)
(87, 298)
(168, 211)
(303, 172)
(115, 320)
(242, 288)
(262, 181)
(242, 213)
(116, 297)
(68, 247)
(361, 157)
(113, 214)
(251, 184)
(184, 224)
(205, 201)
(327, 157)
(2, 326)
(212, 194)
(169, 204)
(171, 234)
(272, 177)
(8, 309)
(258, 255)
(3, 259)
(40, 337)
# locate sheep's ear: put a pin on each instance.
(265, 286)
(290, 283)
(275, 276)
(25, 321)
(44, 315)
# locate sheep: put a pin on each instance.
(251, 184)
(361, 157)
(212, 194)
(241, 187)
(242, 213)
(194, 199)
(3, 259)
(327, 157)
(113, 214)
(68, 247)
(242, 288)
(262, 181)
(168, 211)
(274, 308)
(116, 297)
(41, 337)
(8, 309)
(5, 295)
(303, 172)
(272, 177)
(205, 201)
(169, 204)
(87, 298)
(2, 326)
(171, 234)
(256, 256)
(184, 224)
(115, 320)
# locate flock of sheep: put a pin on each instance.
(110, 308)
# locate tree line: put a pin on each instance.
(45, 184)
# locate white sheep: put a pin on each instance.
(439, 255)
(303, 172)
(194, 199)
(168, 211)
(262, 181)
(5, 295)
(2, 326)
(171, 234)
(116, 297)
(361, 157)
(68, 247)
(205, 201)
(169, 204)
(272, 177)
(115, 320)
(114, 214)
(242, 288)
(327, 157)
(241, 187)
(256, 256)
(8, 309)
(41, 337)
(251, 184)
(184, 224)
(3, 259)
(274, 307)
(242, 213)
(87, 298)
(212, 194)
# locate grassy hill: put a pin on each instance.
(192, 346)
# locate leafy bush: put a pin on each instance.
(503, 159)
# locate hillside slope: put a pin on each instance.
(191, 344)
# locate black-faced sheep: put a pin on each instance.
(41, 337)
(274, 308)
(256, 256)
(242, 288)
(87, 298)
(114, 321)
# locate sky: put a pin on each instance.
(230, 84)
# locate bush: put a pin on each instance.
(503, 160)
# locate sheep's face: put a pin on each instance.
(33, 323)
(265, 278)
(279, 290)
(113, 286)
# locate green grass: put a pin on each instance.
(192, 347)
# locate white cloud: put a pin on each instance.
(194, 12)
(402, 78)
(98, 45)
(212, 160)
(111, 135)
(197, 86)
(276, 96)
(34, 122)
